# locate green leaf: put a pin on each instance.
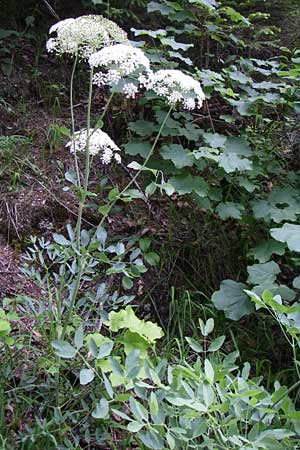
(240, 77)
(174, 44)
(153, 404)
(86, 376)
(194, 345)
(78, 338)
(164, 9)
(230, 210)
(216, 344)
(238, 146)
(209, 371)
(127, 283)
(138, 410)
(143, 127)
(60, 239)
(101, 410)
(105, 350)
(263, 273)
(152, 258)
(281, 205)
(4, 327)
(63, 349)
(288, 233)
(186, 184)
(126, 318)
(232, 299)
(265, 249)
(178, 155)
(137, 148)
(232, 162)
(215, 140)
(135, 426)
(152, 440)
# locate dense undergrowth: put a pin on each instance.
(149, 270)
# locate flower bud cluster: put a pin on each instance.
(84, 35)
(98, 143)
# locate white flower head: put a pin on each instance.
(120, 62)
(176, 87)
(84, 35)
(99, 143)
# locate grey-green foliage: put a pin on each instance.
(208, 401)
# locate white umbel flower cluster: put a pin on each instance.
(84, 35)
(99, 143)
(120, 62)
(176, 87)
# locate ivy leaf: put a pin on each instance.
(265, 249)
(232, 299)
(178, 155)
(263, 273)
(229, 209)
(288, 233)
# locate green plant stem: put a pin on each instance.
(80, 262)
(73, 119)
(87, 162)
(140, 170)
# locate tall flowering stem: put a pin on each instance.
(87, 162)
(72, 116)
